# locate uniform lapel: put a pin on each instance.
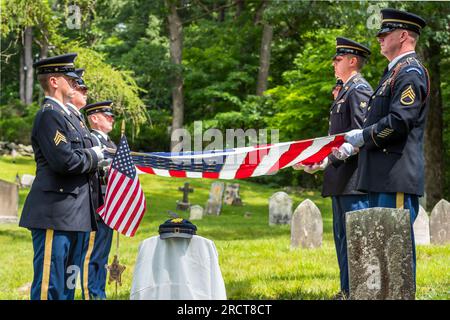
(345, 89)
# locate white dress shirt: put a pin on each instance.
(60, 104)
(396, 59)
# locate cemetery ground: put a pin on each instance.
(256, 259)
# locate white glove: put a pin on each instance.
(355, 137)
(312, 168)
(344, 151)
(99, 152)
(104, 163)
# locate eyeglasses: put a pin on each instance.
(108, 116)
(83, 90)
(71, 81)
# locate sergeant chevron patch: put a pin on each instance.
(408, 96)
(59, 137)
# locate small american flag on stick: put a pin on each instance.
(124, 204)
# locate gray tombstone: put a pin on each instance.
(214, 204)
(379, 250)
(232, 195)
(440, 223)
(280, 208)
(9, 201)
(196, 213)
(184, 204)
(421, 228)
(306, 226)
(27, 180)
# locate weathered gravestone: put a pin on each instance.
(421, 228)
(26, 180)
(9, 201)
(214, 204)
(379, 250)
(196, 213)
(184, 204)
(306, 226)
(280, 208)
(232, 195)
(440, 223)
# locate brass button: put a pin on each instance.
(61, 190)
(384, 150)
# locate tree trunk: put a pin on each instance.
(176, 45)
(44, 49)
(240, 4)
(218, 7)
(28, 64)
(264, 59)
(22, 80)
(434, 159)
(260, 11)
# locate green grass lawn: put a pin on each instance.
(256, 259)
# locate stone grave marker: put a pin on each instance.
(280, 208)
(214, 204)
(184, 204)
(306, 226)
(196, 212)
(440, 223)
(380, 254)
(9, 202)
(421, 228)
(232, 195)
(26, 180)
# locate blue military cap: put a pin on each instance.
(396, 19)
(103, 106)
(177, 228)
(57, 64)
(80, 81)
(347, 46)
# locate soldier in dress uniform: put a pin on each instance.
(346, 113)
(58, 207)
(77, 102)
(391, 160)
(101, 119)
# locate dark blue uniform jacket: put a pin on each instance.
(346, 113)
(60, 197)
(392, 159)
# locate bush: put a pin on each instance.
(17, 122)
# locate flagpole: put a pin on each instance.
(122, 133)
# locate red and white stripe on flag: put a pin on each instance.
(124, 203)
(246, 162)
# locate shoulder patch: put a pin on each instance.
(408, 96)
(361, 85)
(414, 69)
